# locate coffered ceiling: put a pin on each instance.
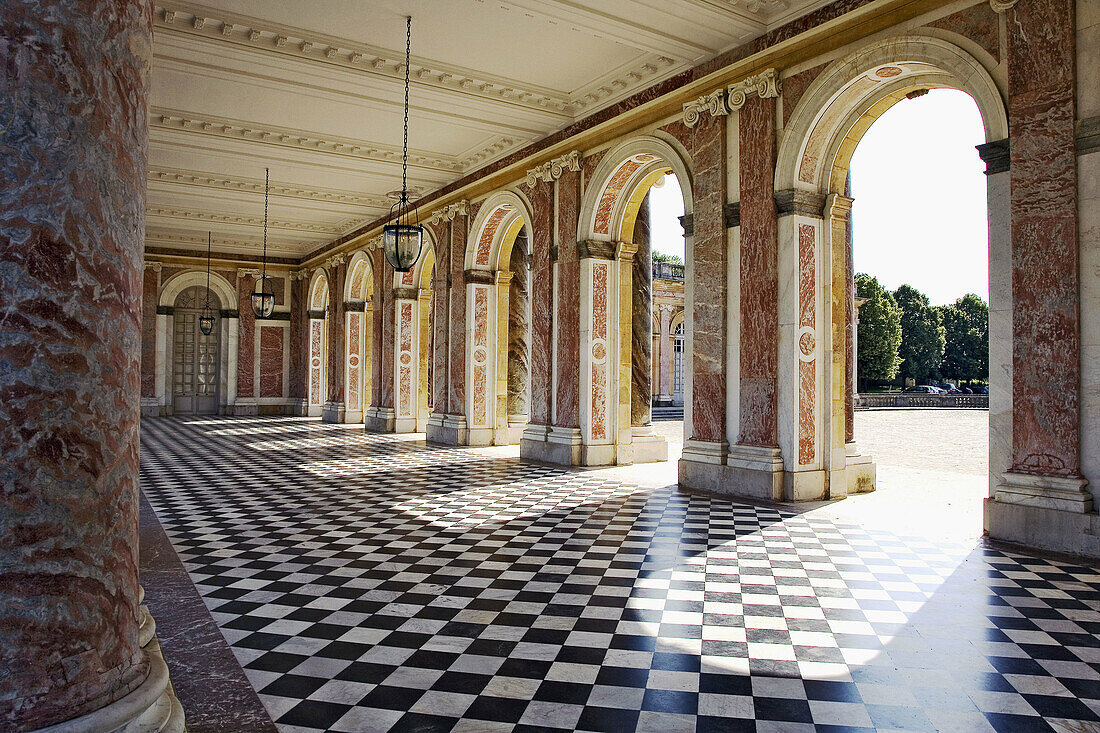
(313, 90)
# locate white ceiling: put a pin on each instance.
(314, 91)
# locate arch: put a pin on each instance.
(318, 290)
(619, 175)
(852, 92)
(676, 320)
(360, 278)
(494, 229)
(221, 288)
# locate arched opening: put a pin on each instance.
(818, 340)
(318, 343)
(359, 328)
(195, 355)
(498, 278)
(633, 280)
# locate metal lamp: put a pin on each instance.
(403, 239)
(263, 302)
(206, 320)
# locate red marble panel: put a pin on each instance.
(759, 274)
(806, 280)
(806, 407)
(439, 325)
(299, 346)
(456, 365)
(681, 132)
(794, 86)
(489, 232)
(481, 354)
(405, 357)
(246, 340)
(569, 300)
(72, 213)
(614, 188)
(271, 361)
(149, 334)
(542, 305)
(600, 350)
(1045, 308)
(354, 358)
(589, 165)
(977, 23)
(710, 259)
(316, 360)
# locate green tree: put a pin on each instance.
(922, 335)
(879, 330)
(966, 324)
(662, 257)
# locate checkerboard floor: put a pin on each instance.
(370, 582)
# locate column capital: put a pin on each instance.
(552, 169)
(714, 103)
(337, 259)
(996, 155)
(1001, 6)
(625, 251)
(765, 85)
(837, 206)
(252, 272)
(302, 274)
(450, 211)
(154, 266)
(595, 249)
(406, 293)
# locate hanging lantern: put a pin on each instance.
(403, 239)
(206, 320)
(263, 302)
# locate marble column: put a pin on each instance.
(299, 346)
(1046, 366)
(568, 317)
(519, 328)
(665, 356)
(456, 353)
(851, 322)
(440, 325)
(335, 408)
(641, 350)
(245, 404)
(380, 416)
(149, 292)
(706, 448)
(76, 645)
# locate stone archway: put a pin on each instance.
(615, 349)
(317, 387)
(359, 326)
(816, 310)
(498, 291)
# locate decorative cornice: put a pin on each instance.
(256, 185)
(225, 127)
(154, 266)
(191, 215)
(797, 201)
(595, 249)
(551, 170)
(406, 293)
(765, 85)
(353, 56)
(715, 103)
(449, 212)
(1001, 6)
(302, 274)
(479, 277)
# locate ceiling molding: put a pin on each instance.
(256, 186)
(206, 216)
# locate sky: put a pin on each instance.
(919, 215)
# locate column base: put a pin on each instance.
(150, 407)
(244, 407)
(448, 429)
(739, 470)
(1045, 492)
(551, 445)
(298, 407)
(861, 472)
(379, 419)
(648, 446)
(404, 424)
(1043, 528)
(334, 412)
(480, 436)
(662, 401)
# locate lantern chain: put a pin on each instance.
(405, 139)
(263, 275)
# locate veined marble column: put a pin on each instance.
(299, 343)
(851, 322)
(380, 416)
(76, 645)
(519, 328)
(641, 392)
(245, 404)
(534, 441)
(335, 408)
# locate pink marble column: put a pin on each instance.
(1046, 365)
(440, 320)
(456, 364)
(542, 301)
(379, 330)
(641, 345)
(568, 317)
(709, 254)
(74, 99)
(246, 337)
(337, 340)
(850, 325)
(519, 328)
(385, 331)
(149, 335)
(759, 274)
(299, 348)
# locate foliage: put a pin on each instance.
(879, 330)
(922, 335)
(663, 257)
(966, 323)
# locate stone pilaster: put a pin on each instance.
(380, 416)
(335, 407)
(299, 345)
(246, 346)
(77, 647)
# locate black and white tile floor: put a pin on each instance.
(369, 582)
